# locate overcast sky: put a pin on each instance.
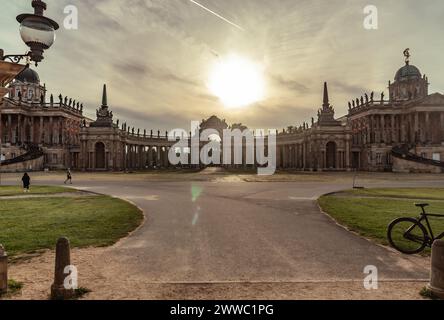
(156, 55)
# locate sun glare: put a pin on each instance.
(237, 82)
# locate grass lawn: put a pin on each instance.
(28, 225)
(18, 190)
(404, 193)
(370, 217)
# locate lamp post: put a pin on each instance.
(38, 33)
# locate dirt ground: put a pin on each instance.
(112, 283)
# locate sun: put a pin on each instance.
(237, 82)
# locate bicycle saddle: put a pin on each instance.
(422, 205)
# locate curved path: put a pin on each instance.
(223, 232)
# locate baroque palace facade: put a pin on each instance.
(403, 133)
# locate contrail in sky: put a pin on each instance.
(217, 15)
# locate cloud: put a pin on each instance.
(155, 55)
(292, 85)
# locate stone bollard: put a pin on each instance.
(437, 275)
(3, 270)
(62, 260)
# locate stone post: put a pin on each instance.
(437, 275)
(3, 270)
(62, 260)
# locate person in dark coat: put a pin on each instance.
(68, 176)
(26, 182)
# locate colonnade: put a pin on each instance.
(415, 127)
(49, 130)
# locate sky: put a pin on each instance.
(156, 56)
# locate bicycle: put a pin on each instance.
(409, 235)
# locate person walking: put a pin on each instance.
(68, 176)
(26, 179)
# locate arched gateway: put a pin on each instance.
(331, 155)
(100, 155)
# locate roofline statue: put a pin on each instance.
(406, 54)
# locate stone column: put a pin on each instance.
(51, 130)
(142, 157)
(149, 156)
(63, 129)
(411, 128)
(372, 129)
(427, 126)
(416, 127)
(383, 131)
(347, 154)
(278, 156)
(130, 156)
(167, 163)
(304, 155)
(19, 128)
(159, 156)
(24, 126)
(32, 130)
(296, 155)
(40, 136)
(442, 126)
(124, 156)
(10, 129)
(393, 129)
(284, 156)
(403, 133)
(338, 160)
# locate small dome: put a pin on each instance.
(28, 76)
(408, 72)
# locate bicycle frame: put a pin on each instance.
(425, 217)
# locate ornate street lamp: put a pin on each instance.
(37, 31)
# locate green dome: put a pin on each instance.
(28, 76)
(408, 72)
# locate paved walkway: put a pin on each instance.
(243, 232)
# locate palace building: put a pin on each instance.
(401, 133)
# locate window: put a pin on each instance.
(437, 156)
(379, 159)
(389, 160)
(30, 93)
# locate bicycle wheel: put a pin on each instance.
(407, 235)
